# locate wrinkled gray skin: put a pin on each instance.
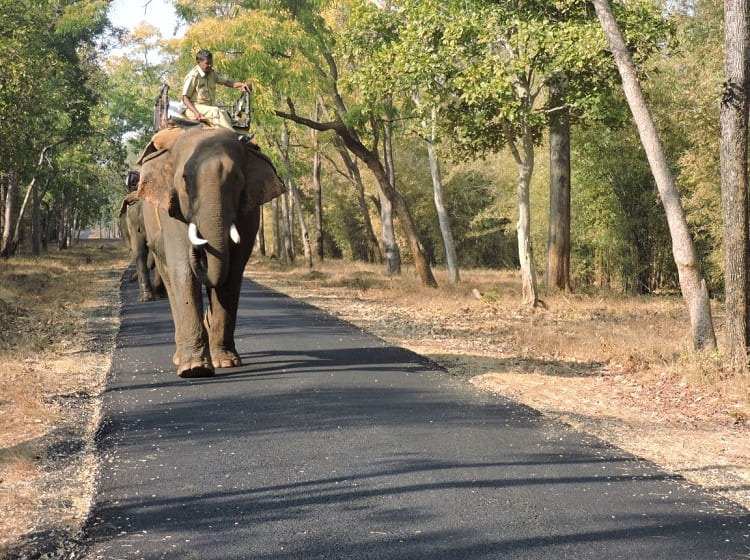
(134, 236)
(210, 179)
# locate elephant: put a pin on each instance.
(201, 197)
(134, 236)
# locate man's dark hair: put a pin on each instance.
(203, 54)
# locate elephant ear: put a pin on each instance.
(262, 183)
(156, 183)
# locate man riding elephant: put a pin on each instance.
(199, 92)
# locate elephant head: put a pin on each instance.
(212, 182)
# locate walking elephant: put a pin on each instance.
(201, 201)
(134, 236)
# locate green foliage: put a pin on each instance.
(346, 229)
(50, 103)
(620, 236)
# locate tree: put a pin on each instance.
(693, 285)
(353, 126)
(558, 232)
(437, 187)
(734, 179)
(488, 66)
(48, 92)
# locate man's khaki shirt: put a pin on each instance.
(200, 87)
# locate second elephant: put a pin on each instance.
(134, 236)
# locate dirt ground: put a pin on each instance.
(618, 368)
(58, 319)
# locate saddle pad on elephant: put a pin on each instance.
(162, 140)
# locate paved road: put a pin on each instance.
(330, 444)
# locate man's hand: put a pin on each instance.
(243, 86)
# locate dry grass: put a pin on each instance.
(58, 316)
(618, 367)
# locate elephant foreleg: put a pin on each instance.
(160, 269)
(195, 359)
(220, 321)
(186, 301)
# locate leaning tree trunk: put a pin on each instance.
(734, 180)
(355, 176)
(283, 149)
(373, 162)
(694, 290)
(558, 232)
(302, 225)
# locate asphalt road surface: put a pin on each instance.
(330, 444)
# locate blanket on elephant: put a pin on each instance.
(162, 140)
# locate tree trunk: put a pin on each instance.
(318, 190)
(283, 149)
(278, 245)
(525, 166)
(734, 181)
(36, 224)
(261, 237)
(6, 249)
(63, 235)
(303, 226)
(286, 230)
(355, 176)
(392, 252)
(19, 220)
(693, 285)
(558, 233)
(437, 187)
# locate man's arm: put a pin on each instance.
(188, 88)
(221, 79)
(191, 107)
(243, 86)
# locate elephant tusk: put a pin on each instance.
(234, 234)
(193, 235)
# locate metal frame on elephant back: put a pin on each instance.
(167, 113)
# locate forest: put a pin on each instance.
(421, 133)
